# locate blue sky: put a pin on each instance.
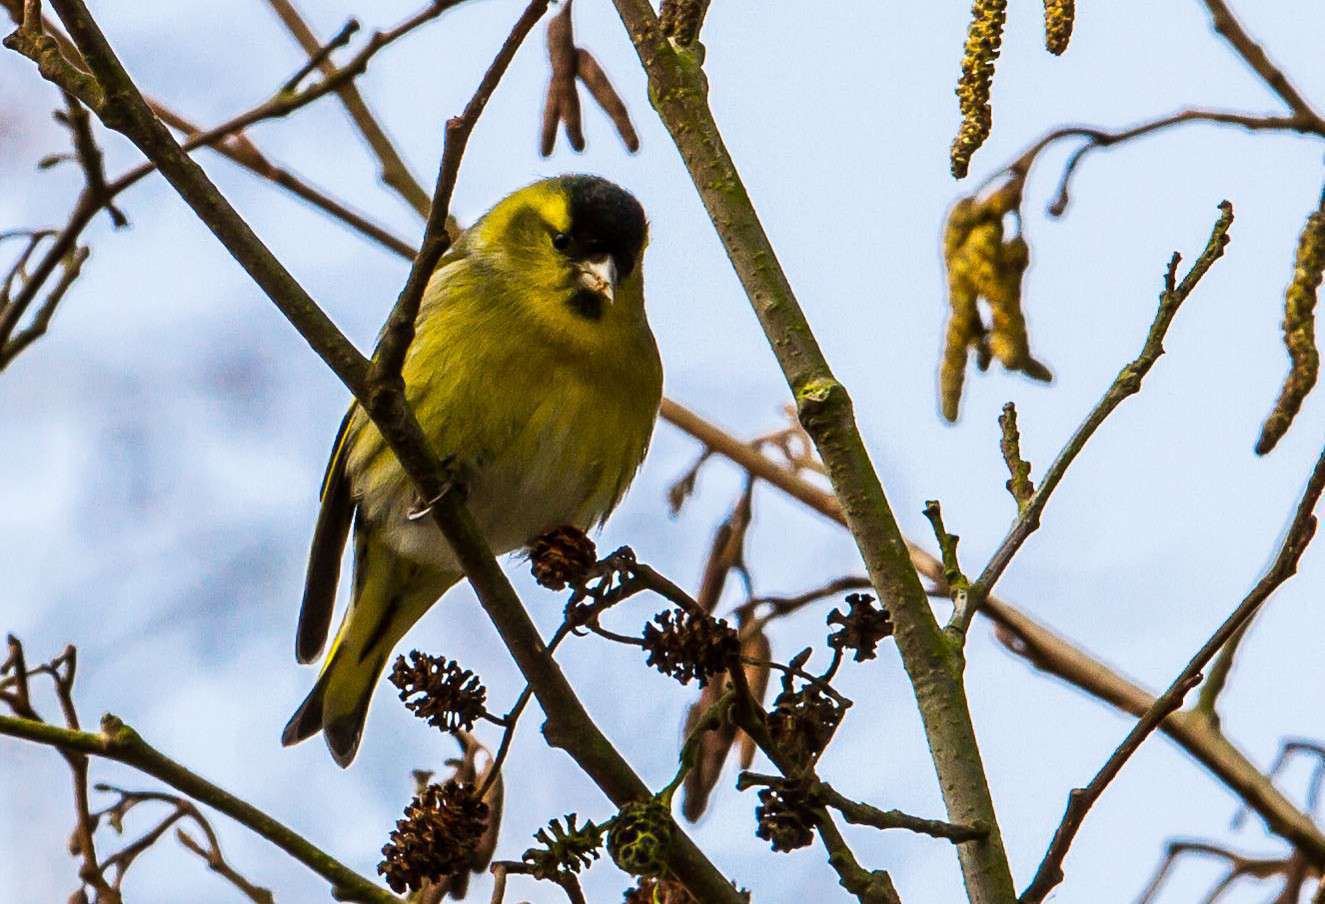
(163, 444)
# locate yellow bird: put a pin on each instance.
(534, 369)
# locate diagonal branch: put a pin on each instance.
(678, 91)
(399, 330)
(117, 741)
(1127, 383)
(1300, 531)
(394, 171)
(47, 48)
(1228, 27)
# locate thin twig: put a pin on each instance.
(1238, 864)
(36, 328)
(1126, 384)
(394, 171)
(117, 741)
(398, 333)
(321, 56)
(1300, 532)
(1097, 138)
(59, 68)
(784, 605)
(863, 814)
(90, 157)
(238, 148)
(218, 864)
(1228, 27)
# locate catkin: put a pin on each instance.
(979, 263)
(1008, 340)
(1299, 331)
(964, 325)
(984, 40)
(1058, 18)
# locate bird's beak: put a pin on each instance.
(598, 275)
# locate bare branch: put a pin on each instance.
(1097, 138)
(1127, 383)
(863, 814)
(394, 171)
(117, 741)
(89, 157)
(1300, 532)
(1228, 27)
(399, 330)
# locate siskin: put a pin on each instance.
(534, 371)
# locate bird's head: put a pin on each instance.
(570, 249)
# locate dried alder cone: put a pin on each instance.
(803, 722)
(984, 40)
(566, 849)
(436, 838)
(1299, 331)
(690, 645)
(438, 690)
(562, 556)
(1059, 16)
(981, 263)
(468, 774)
(785, 817)
(861, 627)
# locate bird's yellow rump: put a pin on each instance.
(534, 370)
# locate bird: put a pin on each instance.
(535, 373)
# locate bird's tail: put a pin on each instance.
(390, 595)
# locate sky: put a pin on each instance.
(162, 446)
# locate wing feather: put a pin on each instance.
(333, 527)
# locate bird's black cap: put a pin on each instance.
(606, 217)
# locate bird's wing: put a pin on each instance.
(333, 526)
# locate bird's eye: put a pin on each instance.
(561, 241)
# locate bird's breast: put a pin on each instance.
(560, 450)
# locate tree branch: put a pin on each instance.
(394, 171)
(399, 330)
(1097, 138)
(1300, 531)
(862, 814)
(678, 90)
(119, 742)
(59, 69)
(1228, 27)
(1127, 383)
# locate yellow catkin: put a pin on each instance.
(1008, 340)
(1058, 18)
(979, 263)
(964, 326)
(1299, 331)
(984, 40)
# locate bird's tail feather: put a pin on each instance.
(390, 596)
